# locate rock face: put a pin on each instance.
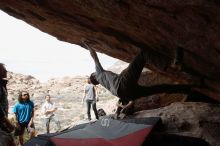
(189, 119)
(121, 28)
(199, 120)
(149, 78)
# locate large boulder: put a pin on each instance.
(199, 120)
(121, 28)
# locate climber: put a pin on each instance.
(125, 85)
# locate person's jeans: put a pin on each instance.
(130, 76)
(54, 119)
(129, 87)
(88, 104)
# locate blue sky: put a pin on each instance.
(25, 49)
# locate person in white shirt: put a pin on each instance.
(48, 110)
(90, 96)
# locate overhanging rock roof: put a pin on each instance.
(121, 28)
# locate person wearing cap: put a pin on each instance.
(6, 127)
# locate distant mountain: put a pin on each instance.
(66, 92)
(178, 118)
(119, 66)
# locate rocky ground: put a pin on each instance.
(65, 92)
(194, 119)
